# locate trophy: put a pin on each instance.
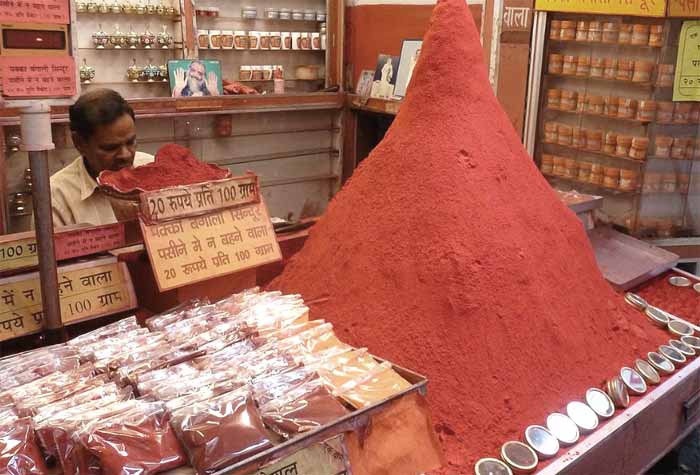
(147, 38)
(100, 38)
(132, 38)
(117, 39)
(160, 8)
(140, 8)
(150, 8)
(165, 39)
(91, 7)
(103, 7)
(128, 8)
(133, 72)
(115, 7)
(87, 73)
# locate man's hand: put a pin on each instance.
(180, 81)
(212, 83)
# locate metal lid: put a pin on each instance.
(633, 380)
(542, 441)
(679, 281)
(650, 375)
(618, 392)
(657, 316)
(662, 364)
(583, 416)
(684, 348)
(491, 467)
(563, 428)
(680, 328)
(636, 301)
(672, 354)
(600, 403)
(520, 457)
(691, 341)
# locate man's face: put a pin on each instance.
(196, 76)
(111, 147)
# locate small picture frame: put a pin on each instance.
(410, 51)
(195, 77)
(385, 77)
(364, 84)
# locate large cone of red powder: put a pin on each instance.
(448, 253)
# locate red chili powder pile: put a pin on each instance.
(448, 253)
(683, 302)
(173, 165)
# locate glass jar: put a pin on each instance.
(570, 168)
(581, 103)
(275, 40)
(215, 39)
(569, 65)
(594, 139)
(226, 39)
(640, 35)
(611, 31)
(556, 64)
(203, 39)
(257, 73)
(595, 31)
(662, 146)
(646, 110)
(568, 30)
(610, 142)
(695, 113)
(297, 14)
(547, 164)
(310, 15)
(665, 75)
(564, 135)
(583, 66)
(625, 36)
(286, 40)
(610, 71)
(559, 167)
(305, 41)
(584, 171)
(272, 13)
(664, 112)
(582, 31)
(321, 15)
(683, 183)
(267, 72)
(264, 40)
(578, 137)
(595, 105)
(555, 30)
(628, 180)
(249, 13)
(668, 183)
(642, 71)
(315, 40)
(240, 40)
(679, 148)
(652, 182)
(639, 148)
(568, 101)
(611, 177)
(245, 73)
(254, 40)
(554, 99)
(278, 72)
(681, 112)
(656, 36)
(611, 105)
(596, 177)
(285, 13)
(627, 108)
(625, 69)
(622, 147)
(597, 67)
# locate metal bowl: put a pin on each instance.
(679, 281)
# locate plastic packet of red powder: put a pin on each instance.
(145, 382)
(88, 350)
(203, 394)
(19, 453)
(181, 312)
(38, 368)
(95, 393)
(120, 326)
(259, 364)
(169, 390)
(304, 408)
(222, 431)
(159, 358)
(376, 385)
(226, 355)
(30, 405)
(275, 386)
(287, 332)
(347, 366)
(137, 442)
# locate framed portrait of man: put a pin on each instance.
(195, 77)
(385, 76)
(410, 50)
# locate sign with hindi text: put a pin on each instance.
(326, 458)
(189, 200)
(34, 11)
(19, 251)
(684, 8)
(655, 8)
(86, 290)
(196, 248)
(37, 76)
(686, 84)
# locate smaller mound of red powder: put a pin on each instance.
(174, 165)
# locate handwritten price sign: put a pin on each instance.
(654, 8)
(686, 84)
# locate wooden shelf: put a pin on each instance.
(593, 152)
(679, 160)
(599, 188)
(101, 83)
(370, 104)
(175, 17)
(601, 116)
(234, 50)
(241, 19)
(140, 48)
(645, 85)
(600, 43)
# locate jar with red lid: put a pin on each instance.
(656, 36)
(595, 105)
(622, 148)
(627, 108)
(664, 75)
(664, 112)
(555, 30)
(547, 164)
(612, 105)
(646, 110)
(639, 148)
(558, 168)
(582, 31)
(578, 137)
(611, 32)
(595, 31)
(642, 71)
(610, 142)
(610, 68)
(679, 149)
(625, 68)
(571, 168)
(594, 139)
(568, 100)
(564, 135)
(625, 36)
(662, 146)
(611, 177)
(550, 132)
(597, 67)
(668, 182)
(556, 64)
(640, 35)
(584, 171)
(568, 30)
(583, 66)
(628, 180)
(554, 99)
(569, 65)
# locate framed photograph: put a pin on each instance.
(385, 76)
(410, 50)
(195, 77)
(364, 84)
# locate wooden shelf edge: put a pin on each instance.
(381, 106)
(175, 106)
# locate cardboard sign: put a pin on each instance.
(198, 248)
(181, 201)
(326, 458)
(34, 11)
(684, 8)
(37, 76)
(686, 84)
(86, 290)
(19, 251)
(655, 8)
(516, 18)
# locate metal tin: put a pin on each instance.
(691, 341)
(679, 281)
(684, 348)
(657, 316)
(542, 441)
(600, 402)
(519, 457)
(680, 328)
(662, 364)
(618, 392)
(675, 356)
(583, 416)
(650, 375)
(636, 301)
(563, 428)
(633, 380)
(491, 467)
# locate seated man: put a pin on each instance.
(103, 131)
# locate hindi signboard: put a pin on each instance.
(38, 76)
(686, 84)
(684, 8)
(34, 11)
(19, 251)
(180, 201)
(86, 290)
(196, 248)
(326, 458)
(654, 8)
